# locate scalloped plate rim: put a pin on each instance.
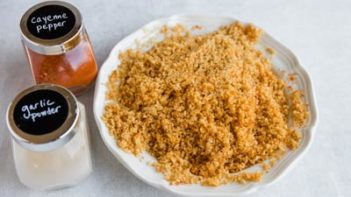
(164, 185)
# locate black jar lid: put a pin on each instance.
(43, 117)
(51, 27)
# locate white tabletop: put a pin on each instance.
(317, 31)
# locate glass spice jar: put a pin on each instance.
(57, 46)
(50, 137)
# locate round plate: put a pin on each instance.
(283, 60)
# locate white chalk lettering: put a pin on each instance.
(49, 22)
(42, 108)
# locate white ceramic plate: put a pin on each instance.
(284, 59)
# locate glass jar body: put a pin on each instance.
(58, 168)
(76, 69)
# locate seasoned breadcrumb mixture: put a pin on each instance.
(298, 108)
(206, 107)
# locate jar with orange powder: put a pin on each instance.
(57, 45)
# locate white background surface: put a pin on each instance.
(318, 32)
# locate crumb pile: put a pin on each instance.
(206, 106)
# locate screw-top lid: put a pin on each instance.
(42, 117)
(51, 27)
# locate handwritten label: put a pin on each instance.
(51, 21)
(40, 112)
(46, 107)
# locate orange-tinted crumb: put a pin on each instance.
(196, 27)
(270, 51)
(266, 167)
(292, 77)
(290, 88)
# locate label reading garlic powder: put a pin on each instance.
(50, 22)
(40, 112)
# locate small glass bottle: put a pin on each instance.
(57, 46)
(50, 137)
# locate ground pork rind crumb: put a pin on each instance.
(206, 107)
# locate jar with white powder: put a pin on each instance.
(50, 137)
